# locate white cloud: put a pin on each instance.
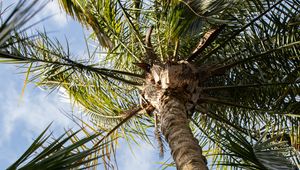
(34, 112)
(58, 17)
(21, 121)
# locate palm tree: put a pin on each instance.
(218, 79)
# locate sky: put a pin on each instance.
(22, 119)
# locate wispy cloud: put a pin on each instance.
(58, 18)
(21, 122)
(34, 113)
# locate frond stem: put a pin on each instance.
(218, 101)
(222, 69)
(131, 112)
(205, 41)
(240, 30)
(103, 71)
(245, 86)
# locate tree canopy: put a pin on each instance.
(246, 53)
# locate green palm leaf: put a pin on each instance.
(60, 153)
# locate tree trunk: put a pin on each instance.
(175, 127)
(173, 89)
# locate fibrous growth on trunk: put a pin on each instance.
(174, 89)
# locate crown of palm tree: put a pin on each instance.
(246, 54)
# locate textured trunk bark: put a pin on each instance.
(175, 127)
(173, 89)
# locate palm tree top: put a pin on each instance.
(246, 55)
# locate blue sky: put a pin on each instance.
(22, 119)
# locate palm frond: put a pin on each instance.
(60, 153)
(264, 154)
(119, 22)
(17, 18)
(259, 81)
(239, 147)
(44, 52)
